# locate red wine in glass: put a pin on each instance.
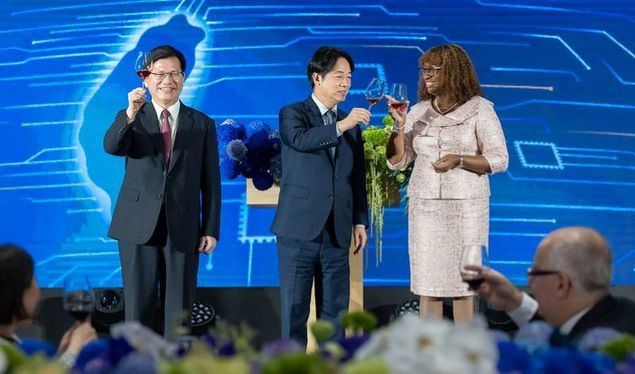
(399, 96)
(143, 74)
(374, 91)
(372, 101)
(474, 283)
(397, 105)
(78, 298)
(473, 255)
(141, 66)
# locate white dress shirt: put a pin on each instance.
(528, 308)
(323, 109)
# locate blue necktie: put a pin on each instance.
(329, 120)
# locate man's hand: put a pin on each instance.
(207, 245)
(496, 289)
(136, 99)
(446, 163)
(356, 116)
(359, 236)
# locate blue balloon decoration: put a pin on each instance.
(229, 130)
(229, 169)
(262, 180)
(255, 127)
(236, 150)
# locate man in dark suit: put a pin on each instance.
(171, 182)
(570, 280)
(322, 195)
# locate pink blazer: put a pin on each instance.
(471, 129)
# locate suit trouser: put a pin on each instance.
(158, 267)
(299, 262)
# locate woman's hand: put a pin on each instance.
(399, 115)
(446, 163)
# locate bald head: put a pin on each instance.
(583, 254)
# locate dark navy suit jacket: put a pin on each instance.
(314, 183)
(190, 185)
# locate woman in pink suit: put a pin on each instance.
(455, 139)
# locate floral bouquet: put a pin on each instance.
(252, 151)
(382, 184)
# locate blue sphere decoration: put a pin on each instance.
(250, 166)
(230, 130)
(236, 150)
(275, 167)
(262, 180)
(259, 143)
(229, 168)
(255, 127)
(274, 142)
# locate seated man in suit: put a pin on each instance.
(570, 280)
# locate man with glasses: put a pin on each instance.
(570, 281)
(168, 209)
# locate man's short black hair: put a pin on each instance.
(16, 275)
(324, 60)
(166, 51)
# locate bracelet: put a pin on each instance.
(461, 161)
(395, 128)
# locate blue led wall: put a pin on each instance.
(561, 74)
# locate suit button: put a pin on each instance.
(160, 197)
(331, 196)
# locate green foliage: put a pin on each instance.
(322, 330)
(621, 348)
(298, 363)
(360, 321)
(382, 184)
(369, 366)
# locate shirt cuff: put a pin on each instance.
(525, 312)
(360, 225)
(337, 130)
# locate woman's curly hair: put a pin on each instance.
(457, 69)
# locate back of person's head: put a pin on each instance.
(165, 51)
(16, 276)
(584, 255)
(323, 61)
(457, 69)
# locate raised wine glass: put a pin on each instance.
(374, 92)
(141, 66)
(473, 254)
(399, 96)
(79, 300)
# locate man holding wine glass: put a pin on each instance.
(168, 209)
(322, 195)
(570, 279)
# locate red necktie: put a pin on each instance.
(166, 133)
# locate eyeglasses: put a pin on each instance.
(531, 272)
(431, 71)
(176, 75)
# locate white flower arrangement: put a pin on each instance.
(424, 345)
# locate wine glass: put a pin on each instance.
(141, 66)
(78, 297)
(399, 95)
(375, 91)
(473, 254)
